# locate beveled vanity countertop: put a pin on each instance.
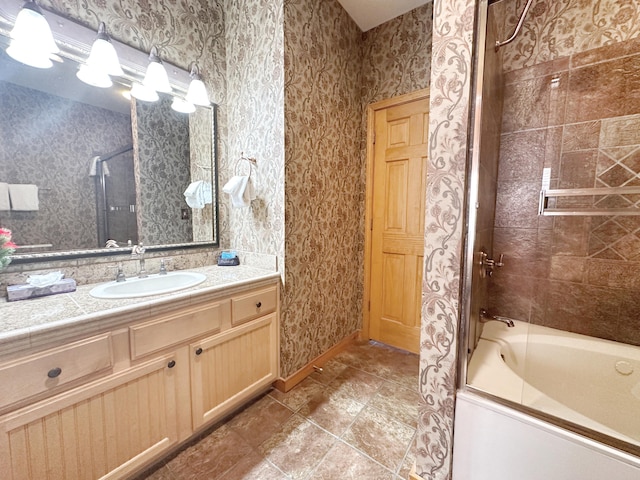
(29, 323)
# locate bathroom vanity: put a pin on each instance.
(112, 390)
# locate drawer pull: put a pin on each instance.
(171, 364)
(54, 372)
(259, 304)
(199, 351)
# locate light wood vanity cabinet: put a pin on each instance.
(150, 386)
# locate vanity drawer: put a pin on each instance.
(48, 370)
(169, 330)
(253, 305)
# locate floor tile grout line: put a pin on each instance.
(339, 439)
(406, 453)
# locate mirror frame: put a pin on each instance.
(74, 41)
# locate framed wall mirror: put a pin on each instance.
(108, 170)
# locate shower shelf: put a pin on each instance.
(543, 209)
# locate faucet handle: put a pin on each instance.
(120, 277)
(163, 266)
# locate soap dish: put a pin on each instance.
(228, 262)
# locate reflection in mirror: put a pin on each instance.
(105, 167)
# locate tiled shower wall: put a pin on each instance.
(580, 116)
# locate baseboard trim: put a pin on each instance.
(286, 384)
(413, 475)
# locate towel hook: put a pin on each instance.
(250, 160)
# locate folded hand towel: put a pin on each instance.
(24, 197)
(237, 189)
(4, 197)
(198, 194)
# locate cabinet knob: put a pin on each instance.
(259, 304)
(198, 351)
(54, 372)
(171, 364)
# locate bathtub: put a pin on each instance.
(585, 380)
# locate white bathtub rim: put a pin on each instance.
(488, 372)
(519, 416)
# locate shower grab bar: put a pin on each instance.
(518, 27)
(543, 209)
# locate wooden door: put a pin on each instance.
(397, 214)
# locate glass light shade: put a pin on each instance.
(182, 106)
(32, 41)
(94, 77)
(24, 54)
(144, 93)
(156, 76)
(197, 92)
(103, 55)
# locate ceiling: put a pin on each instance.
(371, 13)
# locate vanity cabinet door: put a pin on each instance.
(106, 429)
(230, 368)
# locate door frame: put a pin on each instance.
(372, 108)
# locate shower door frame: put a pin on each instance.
(538, 417)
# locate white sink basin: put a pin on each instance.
(151, 285)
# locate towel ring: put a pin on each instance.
(251, 161)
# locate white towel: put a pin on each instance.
(93, 168)
(4, 197)
(241, 191)
(198, 194)
(24, 197)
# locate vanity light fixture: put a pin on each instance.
(144, 93)
(93, 77)
(102, 62)
(197, 92)
(182, 106)
(32, 42)
(103, 55)
(156, 77)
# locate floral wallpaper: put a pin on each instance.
(323, 195)
(453, 26)
(557, 28)
(255, 79)
(35, 151)
(162, 168)
(397, 56)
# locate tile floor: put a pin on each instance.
(355, 420)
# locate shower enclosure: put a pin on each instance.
(115, 197)
(554, 221)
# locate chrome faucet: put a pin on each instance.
(163, 266)
(120, 277)
(485, 317)
(138, 251)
